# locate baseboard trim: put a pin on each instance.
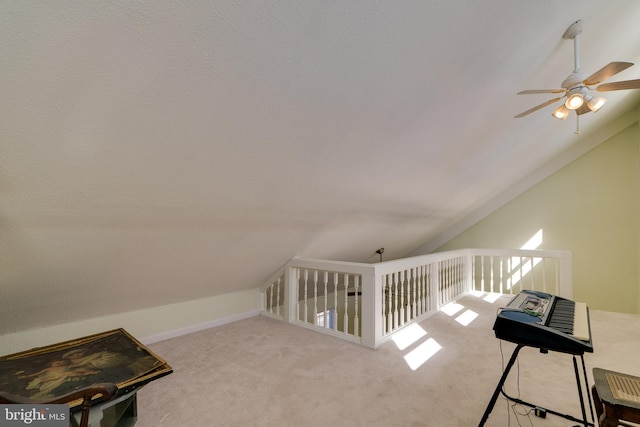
(198, 327)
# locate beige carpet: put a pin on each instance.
(262, 372)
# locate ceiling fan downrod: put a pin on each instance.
(573, 33)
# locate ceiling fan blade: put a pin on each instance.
(609, 70)
(530, 92)
(623, 85)
(537, 107)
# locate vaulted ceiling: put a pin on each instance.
(155, 152)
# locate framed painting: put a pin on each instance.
(47, 372)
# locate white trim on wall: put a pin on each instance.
(199, 327)
(148, 325)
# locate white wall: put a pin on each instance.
(590, 207)
(149, 325)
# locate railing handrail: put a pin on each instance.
(339, 266)
(385, 267)
(274, 277)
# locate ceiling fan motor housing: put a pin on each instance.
(574, 80)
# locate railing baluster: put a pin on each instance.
(442, 272)
(438, 274)
(269, 299)
(356, 319)
(326, 294)
(452, 292)
(463, 275)
(346, 303)
(557, 290)
(473, 273)
(448, 282)
(298, 272)
(458, 264)
(335, 302)
(278, 297)
(402, 303)
(443, 283)
(454, 287)
(424, 286)
(306, 298)
(414, 293)
(521, 266)
(452, 282)
(544, 275)
(492, 282)
(531, 270)
(510, 274)
(428, 292)
(501, 273)
(482, 274)
(385, 305)
(395, 301)
(418, 295)
(315, 296)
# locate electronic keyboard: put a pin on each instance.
(545, 321)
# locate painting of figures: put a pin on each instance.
(47, 372)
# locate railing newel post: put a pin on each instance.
(468, 272)
(564, 287)
(371, 287)
(435, 286)
(290, 293)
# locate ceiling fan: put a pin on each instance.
(577, 85)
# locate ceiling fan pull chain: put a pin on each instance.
(577, 125)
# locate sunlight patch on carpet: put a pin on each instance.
(408, 335)
(418, 356)
(451, 308)
(467, 317)
(492, 297)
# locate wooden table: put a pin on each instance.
(616, 397)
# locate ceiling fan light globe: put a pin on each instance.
(596, 103)
(561, 113)
(574, 101)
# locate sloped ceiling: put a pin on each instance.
(156, 152)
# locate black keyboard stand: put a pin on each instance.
(499, 389)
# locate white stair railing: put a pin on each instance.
(367, 303)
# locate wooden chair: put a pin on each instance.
(616, 397)
(106, 391)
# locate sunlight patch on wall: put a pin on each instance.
(467, 317)
(418, 356)
(519, 268)
(534, 242)
(407, 336)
